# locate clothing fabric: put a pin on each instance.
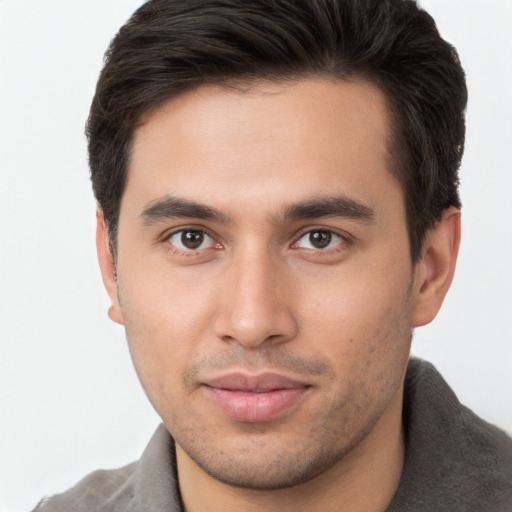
(454, 462)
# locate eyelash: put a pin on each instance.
(345, 241)
(189, 252)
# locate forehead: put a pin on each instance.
(269, 143)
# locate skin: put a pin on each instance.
(257, 295)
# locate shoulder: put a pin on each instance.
(102, 490)
(149, 484)
(454, 459)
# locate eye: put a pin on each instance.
(190, 240)
(319, 239)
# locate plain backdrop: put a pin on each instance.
(70, 401)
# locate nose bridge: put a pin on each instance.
(257, 306)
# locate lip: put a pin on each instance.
(255, 398)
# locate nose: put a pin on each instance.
(256, 306)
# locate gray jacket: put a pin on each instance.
(454, 462)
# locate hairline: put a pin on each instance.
(243, 84)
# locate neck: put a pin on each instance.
(365, 479)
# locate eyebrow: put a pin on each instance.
(337, 206)
(170, 207)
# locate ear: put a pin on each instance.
(434, 272)
(107, 267)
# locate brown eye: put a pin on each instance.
(319, 239)
(190, 239)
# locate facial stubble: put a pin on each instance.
(235, 458)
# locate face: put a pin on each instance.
(263, 276)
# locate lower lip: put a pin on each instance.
(256, 407)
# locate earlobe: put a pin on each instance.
(107, 267)
(434, 272)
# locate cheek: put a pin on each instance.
(353, 300)
(165, 323)
(361, 321)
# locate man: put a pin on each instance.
(277, 210)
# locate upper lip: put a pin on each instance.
(239, 381)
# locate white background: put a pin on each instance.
(69, 399)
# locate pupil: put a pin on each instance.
(192, 239)
(320, 239)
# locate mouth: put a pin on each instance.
(255, 398)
